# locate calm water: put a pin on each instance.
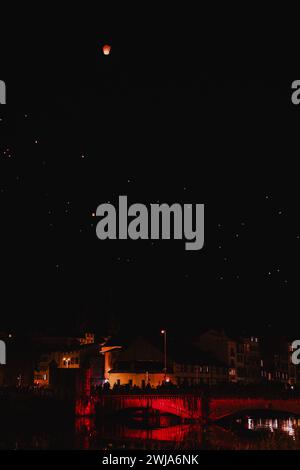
(245, 432)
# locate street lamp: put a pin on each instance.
(67, 361)
(164, 332)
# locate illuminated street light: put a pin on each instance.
(67, 360)
(164, 332)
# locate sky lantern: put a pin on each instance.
(106, 49)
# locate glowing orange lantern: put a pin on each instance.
(106, 49)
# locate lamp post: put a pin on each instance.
(164, 332)
(67, 360)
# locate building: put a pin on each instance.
(141, 364)
(85, 353)
(222, 348)
(89, 338)
(242, 355)
(277, 363)
(253, 362)
(194, 367)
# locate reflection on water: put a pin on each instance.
(165, 432)
(248, 432)
(265, 433)
(287, 426)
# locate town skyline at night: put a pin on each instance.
(150, 240)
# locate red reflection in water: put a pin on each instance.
(84, 403)
(85, 429)
(91, 436)
(84, 425)
(172, 433)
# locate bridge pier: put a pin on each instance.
(205, 409)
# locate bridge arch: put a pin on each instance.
(184, 406)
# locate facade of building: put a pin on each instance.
(277, 364)
(253, 359)
(210, 372)
(242, 355)
(141, 364)
(74, 358)
(223, 348)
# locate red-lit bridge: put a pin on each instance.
(222, 407)
(187, 406)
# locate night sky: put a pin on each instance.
(158, 120)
